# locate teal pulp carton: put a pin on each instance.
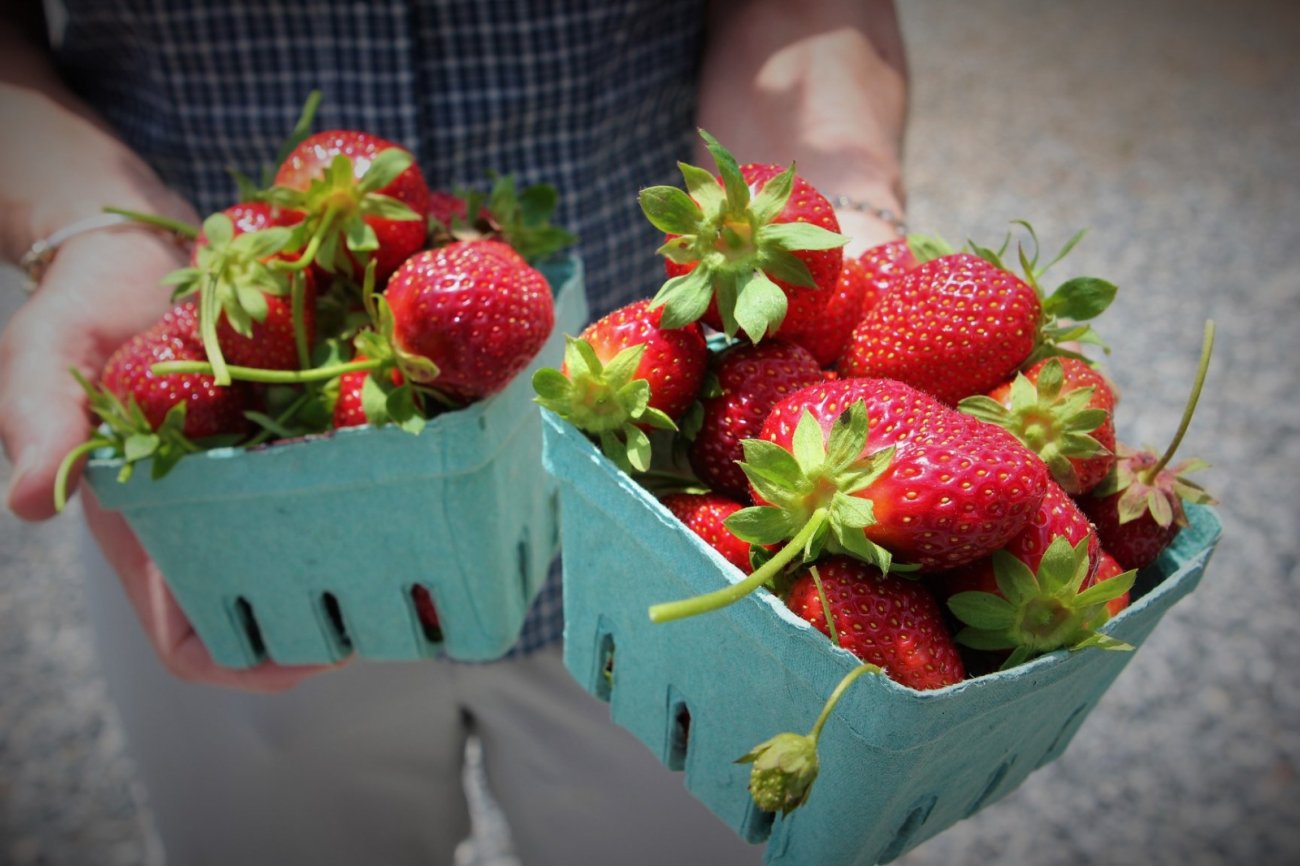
(307, 551)
(898, 765)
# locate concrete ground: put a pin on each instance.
(1171, 129)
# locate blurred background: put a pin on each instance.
(1171, 130)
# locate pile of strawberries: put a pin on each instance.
(908, 448)
(340, 291)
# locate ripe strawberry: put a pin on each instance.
(953, 326)
(364, 198)
(475, 309)
(445, 210)
(426, 613)
(623, 375)
(1063, 409)
(244, 303)
(900, 474)
(961, 324)
(1138, 508)
(883, 263)
(703, 514)
(351, 403)
(750, 381)
(210, 410)
(1108, 567)
(953, 489)
(883, 619)
(826, 333)
(755, 262)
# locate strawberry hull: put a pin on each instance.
(307, 551)
(898, 765)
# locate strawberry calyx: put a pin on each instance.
(786, 765)
(520, 217)
(813, 508)
(1053, 424)
(232, 275)
(125, 432)
(736, 246)
(336, 205)
(1147, 484)
(606, 401)
(1036, 613)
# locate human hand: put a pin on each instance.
(101, 288)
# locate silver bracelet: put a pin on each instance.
(37, 259)
(884, 214)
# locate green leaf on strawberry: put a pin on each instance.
(1037, 613)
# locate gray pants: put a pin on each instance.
(363, 765)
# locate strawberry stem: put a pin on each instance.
(826, 605)
(837, 694)
(177, 227)
(209, 312)
(65, 469)
(1207, 347)
(298, 299)
(313, 245)
(733, 592)
(271, 377)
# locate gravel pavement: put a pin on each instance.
(1170, 129)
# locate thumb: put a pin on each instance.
(42, 416)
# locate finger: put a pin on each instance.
(42, 412)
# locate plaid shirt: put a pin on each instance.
(594, 96)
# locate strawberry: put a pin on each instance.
(145, 415)
(1007, 604)
(961, 324)
(883, 619)
(1063, 409)
(750, 381)
(426, 613)
(1138, 507)
(520, 217)
(362, 398)
(245, 303)
(826, 333)
(756, 262)
(624, 375)
(210, 410)
(1108, 567)
(900, 474)
(883, 264)
(476, 310)
(703, 514)
(363, 196)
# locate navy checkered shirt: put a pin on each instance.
(594, 96)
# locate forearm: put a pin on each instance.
(819, 82)
(62, 163)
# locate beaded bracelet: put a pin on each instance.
(884, 214)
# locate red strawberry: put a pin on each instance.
(954, 326)
(373, 209)
(900, 474)
(1138, 508)
(210, 410)
(960, 324)
(623, 376)
(349, 406)
(884, 263)
(758, 262)
(827, 333)
(426, 613)
(955, 488)
(883, 619)
(1108, 567)
(1063, 409)
(751, 380)
(446, 208)
(703, 514)
(476, 309)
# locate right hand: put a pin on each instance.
(102, 288)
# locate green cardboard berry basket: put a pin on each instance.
(898, 765)
(308, 551)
